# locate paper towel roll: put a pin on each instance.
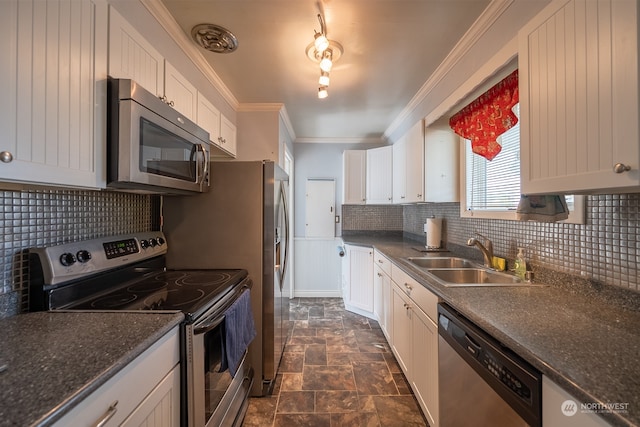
(434, 232)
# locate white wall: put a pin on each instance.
(318, 160)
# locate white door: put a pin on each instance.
(320, 208)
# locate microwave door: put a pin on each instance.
(161, 154)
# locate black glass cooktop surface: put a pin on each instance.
(186, 290)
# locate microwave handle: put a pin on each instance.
(205, 167)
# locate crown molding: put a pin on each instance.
(338, 140)
(162, 15)
(471, 37)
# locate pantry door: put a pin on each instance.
(320, 208)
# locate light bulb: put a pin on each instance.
(324, 78)
(326, 63)
(322, 92)
(321, 43)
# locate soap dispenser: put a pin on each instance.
(520, 266)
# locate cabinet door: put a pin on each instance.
(414, 164)
(360, 278)
(424, 372)
(401, 329)
(441, 165)
(227, 135)
(161, 408)
(385, 323)
(51, 78)
(378, 301)
(132, 57)
(179, 92)
(208, 118)
(399, 171)
(578, 71)
(354, 173)
(379, 175)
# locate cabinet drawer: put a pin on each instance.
(382, 262)
(129, 387)
(425, 299)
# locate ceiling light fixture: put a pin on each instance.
(324, 78)
(324, 52)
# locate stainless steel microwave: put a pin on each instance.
(151, 148)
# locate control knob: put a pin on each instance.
(160, 241)
(83, 256)
(144, 244)
(153, 242)
(67, 259)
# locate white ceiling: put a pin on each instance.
(391, 47)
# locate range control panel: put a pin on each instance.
(75, 260)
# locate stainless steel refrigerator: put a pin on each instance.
(242, 222)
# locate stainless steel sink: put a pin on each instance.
(441, 262)
(457, 277)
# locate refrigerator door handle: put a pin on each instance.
(285, 240)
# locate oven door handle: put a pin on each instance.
(203, 329)
(214, 321)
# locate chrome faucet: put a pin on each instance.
(486, 249)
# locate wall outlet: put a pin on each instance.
(337, 219)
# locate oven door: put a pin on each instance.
(152, 153)
(214, 398)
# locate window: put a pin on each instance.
(492, 188)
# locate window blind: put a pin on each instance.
(495, 185)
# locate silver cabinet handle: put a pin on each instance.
(379, 275)
(171, 103)
(6, 157)
(380, 261)
(111, 411)
(407, 306)
(621, 167)
(408, 286)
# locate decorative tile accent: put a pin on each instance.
(372, 217)
(46, 217)
(605, 249)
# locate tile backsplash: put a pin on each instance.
(606, 249)
(46, 217)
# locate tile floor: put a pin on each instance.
(337, 370)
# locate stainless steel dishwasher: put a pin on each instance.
(483, 383)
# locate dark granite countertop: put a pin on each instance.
(587, 342)
(55, 359)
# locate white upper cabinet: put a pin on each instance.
(53, 79)
(441, 165)
(131, 56)
(408, 166)
(179, 92)
(228, 135)
(222, 133)
(579, 109)
(399, 170)
(379, 175)
(354, 163)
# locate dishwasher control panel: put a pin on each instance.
(505, 376)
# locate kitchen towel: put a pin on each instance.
(434, 232)
(240, 330)
(542, 208)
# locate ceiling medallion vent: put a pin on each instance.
(214, 38)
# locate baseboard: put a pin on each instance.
(318, 294)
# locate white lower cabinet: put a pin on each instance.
(357, 271)
(146, 392)
(382, 292)
(560, 409)
(414, 339)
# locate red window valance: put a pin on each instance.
(488, 117)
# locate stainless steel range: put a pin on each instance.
(127, 272)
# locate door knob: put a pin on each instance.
(6, 157)
(621, 167)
